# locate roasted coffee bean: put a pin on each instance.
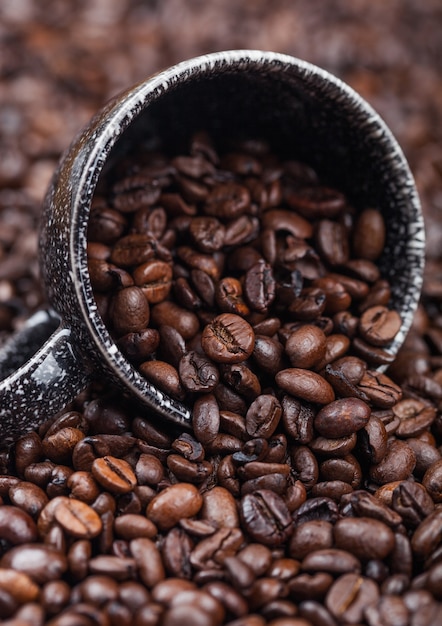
(350, 596)
(259, 286)
(170, 314)
(277, 219)
(306, 385)
(129, 310)
(378, 325)
(305, 466)
(40, 562)
(310, 586)
(310, 537)
(263, 416)
(228, 339)
(174, 503)
(345, 469)
(306, 346)
(432, 481)
(369, 234)
(323, 446)
(373, 440)
(342, 418)
(241, 230)
(331, 560)
(380, 389)
(197, 373)
(16, 526)
(28, 497)
(208, 233)
(412, 502)
(115, 475)
(77, 518)
(415, 417)
(219, 507)
(297, 419)
(309, 304)
(164, 376)
(154, 279)
(132, 250)
(314, 509)
(229, 297)
(268, 354)
(228, 200)
(397, 464)
(332, 242)
(363, 504)
(365, 537)
(266, 517)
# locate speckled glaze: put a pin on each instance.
(303, 112)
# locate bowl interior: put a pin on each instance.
(305, 114)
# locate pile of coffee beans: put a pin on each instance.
(240, 281)
(308, 492)
(83, 542)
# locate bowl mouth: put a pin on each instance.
(115, 120)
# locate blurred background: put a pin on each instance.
(61, 60)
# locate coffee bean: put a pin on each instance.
(432, 481)
(413, 502)
(129, 310)
(16, 526)
(306, 346)
(305, 465)
(170, 314)
(164, 376)
(268, 354)
(197, 373)
(228, 339)
(342, 418)
(219, 506)
(278, 219)
(297, 419)
(20, 585)
(333, 447)
(28, 497)
(266, 517)
(132, 250)
(350, 596)
(306, 385)
(148, 560)
(369, 234)
(77, 518)
(114, 474)
(378, 325)
(332, 242)
(397, 464)
(229, 297)
(331, 560)
(263, 416)
(176, 502)
(40, 562)
(366, 538)
(310, 586)
(345, 469)
(316, 509)
(309, 537)
(380, 389)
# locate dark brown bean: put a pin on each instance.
(366, 538)
(176, 502)
(228, 339)
(342, 418)
(115, 475)
(266, 517)
(306, 385)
